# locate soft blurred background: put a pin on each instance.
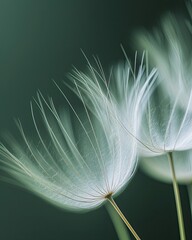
(40, 41)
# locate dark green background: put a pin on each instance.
(39, 41)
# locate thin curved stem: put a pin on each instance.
(177, 198)
(118, 224)
(113, 203)
(189, 190)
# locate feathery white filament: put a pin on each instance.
(75, 160)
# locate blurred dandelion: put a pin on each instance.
(167, 126)
(170, 51)
(77, 163)
(165, 129)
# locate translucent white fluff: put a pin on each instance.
(167, 124)
(170, 51)
(123, 94)
(158, 167)
(75, 161)
(165, 127)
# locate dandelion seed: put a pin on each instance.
(167, 125)
(77, 163)
(168, 122)
(166, 128)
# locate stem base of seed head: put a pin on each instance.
(177, 198)
(113, 203)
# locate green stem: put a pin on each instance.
(177, 198)
(113, 203)
(118, 224)
(189, 190)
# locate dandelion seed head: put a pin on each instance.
(167, 125)
(75, 161)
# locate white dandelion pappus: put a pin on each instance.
(166, 127)
(123, 94)
(168, 122)
(169, 49)
(76, 163)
